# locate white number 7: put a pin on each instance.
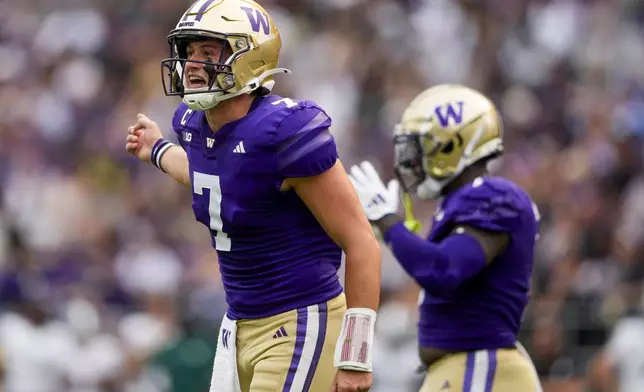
(203, 181)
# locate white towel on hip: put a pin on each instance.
(224, 371)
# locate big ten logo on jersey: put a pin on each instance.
(450, 113)
(257, 19)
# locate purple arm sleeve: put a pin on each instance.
(305, 146)
(438, 268)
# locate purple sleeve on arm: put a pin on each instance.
(305, 146)
(438, 268)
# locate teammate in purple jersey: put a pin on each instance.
(475, 267)
(267, 183)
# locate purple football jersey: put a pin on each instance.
(485, 312)
(273, 254)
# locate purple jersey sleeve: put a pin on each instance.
(305, 146)
(438, 268)
(487, 205)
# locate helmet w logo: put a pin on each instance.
(257, 19)
(449, 113)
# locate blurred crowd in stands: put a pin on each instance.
(108, 284)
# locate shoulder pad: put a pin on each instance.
(490, 203)
(270, 118)
(278, 109)
(299, 118)
(302, 139)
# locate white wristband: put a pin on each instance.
(353, 350)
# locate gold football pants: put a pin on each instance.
(500, 370)
(291, 351)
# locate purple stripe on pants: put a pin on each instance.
(322, 311)
(491, 370)
(300, 336)
(469, 371)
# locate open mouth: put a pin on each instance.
(195, 82)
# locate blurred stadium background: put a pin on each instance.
(108, 284)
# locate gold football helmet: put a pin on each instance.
(444, 130)
(247, 63)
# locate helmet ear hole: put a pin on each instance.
(448, 147)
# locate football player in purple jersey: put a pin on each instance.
(267, 183)
(475, 267)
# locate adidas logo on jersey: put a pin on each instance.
(240, 148)
(280, 333)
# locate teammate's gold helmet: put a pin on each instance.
(252, 40)
(444, 130)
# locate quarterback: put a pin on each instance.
(475, 267)
(267, 183)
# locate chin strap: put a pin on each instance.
(411, 223)
(353, 351)
(252, 85)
